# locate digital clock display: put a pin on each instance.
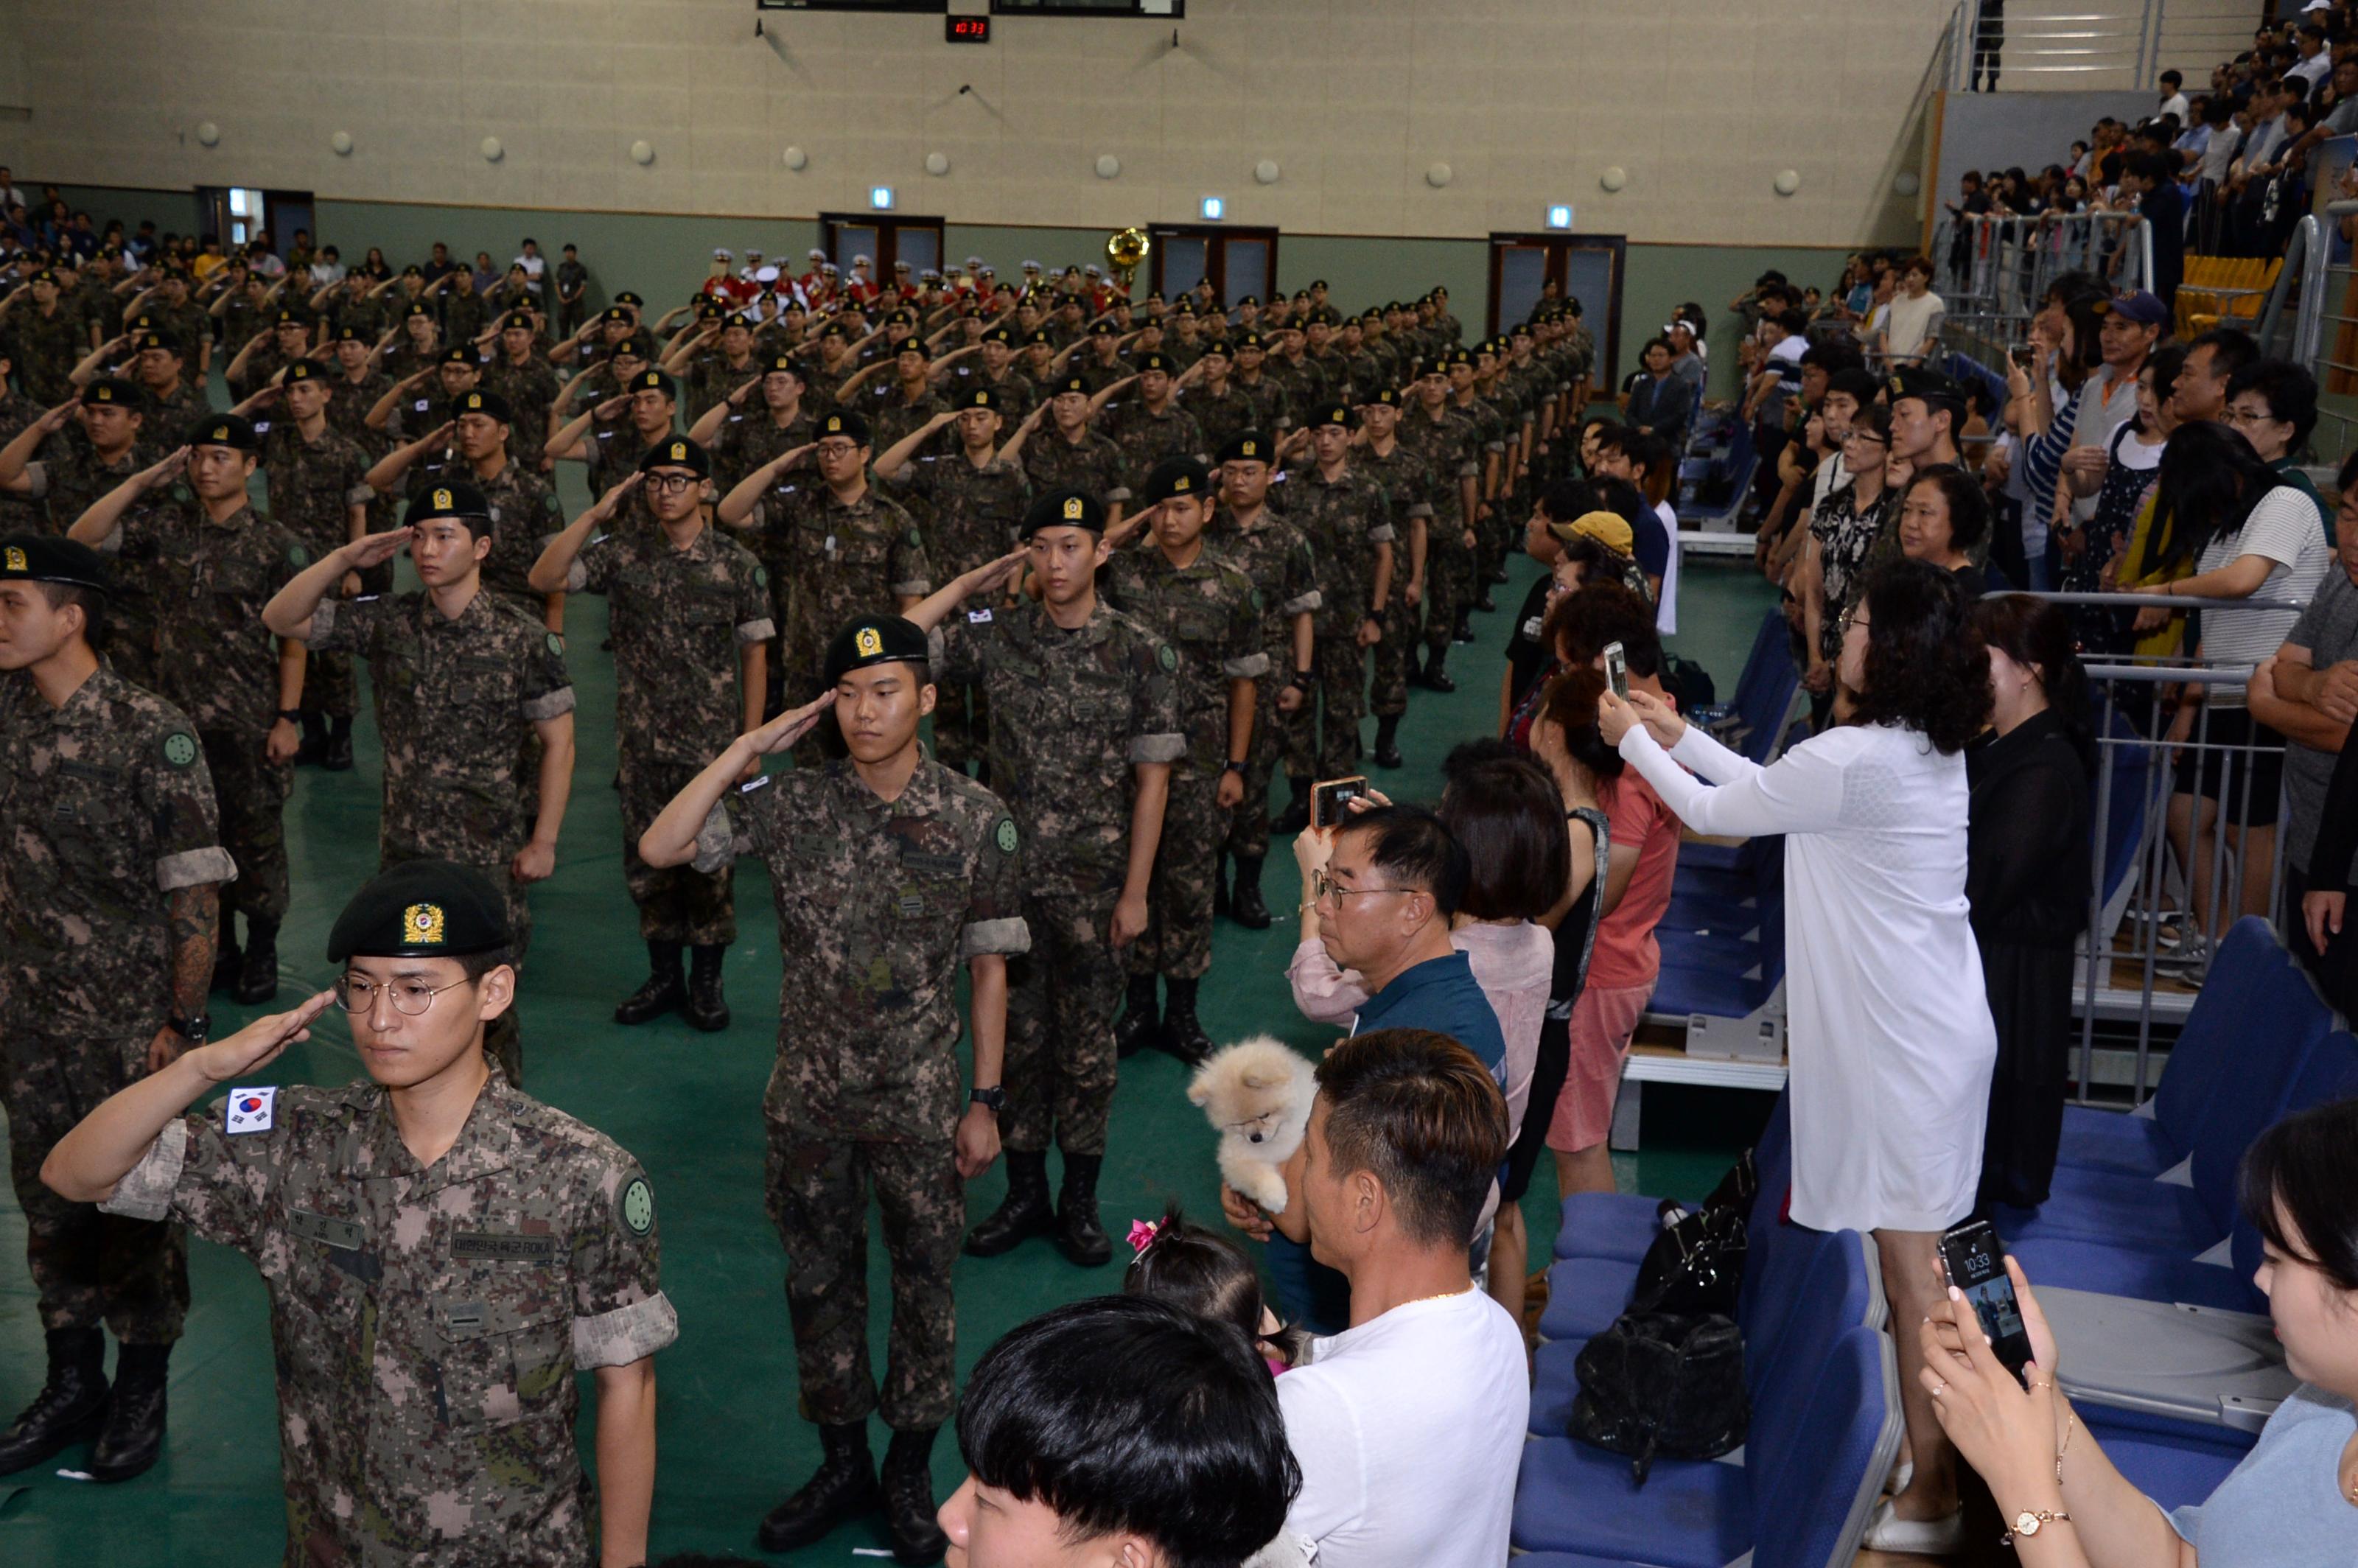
(967, 29)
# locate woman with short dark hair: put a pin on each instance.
(1943, 513)
(1888, 1027)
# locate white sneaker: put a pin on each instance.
(1920, 1537)
(1901, 1474)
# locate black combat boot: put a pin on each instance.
(314, 744)
(909, 1499)
(1434, 676)
(1080, 1236)
(665, 988)
(227, 955)
(257, 970)
(1182, 1034)
(843, 1488)
(1388, 751)
(336, 753)
(1296, 815)
(1245, 906)
(70, 1407)
(1464, 632)
(708, 1003)
(1220, 884)
(133, 1438)
(1026, 1213)
(1485, 603)
(1139, 1025)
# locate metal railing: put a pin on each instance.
(2077, 45)
(2158, 890)
(1994, 270)
(2328, 295)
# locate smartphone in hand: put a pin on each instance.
(1330, 798)
(1976, 1265)
(1616, 670)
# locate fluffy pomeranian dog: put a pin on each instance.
(1257, 1094)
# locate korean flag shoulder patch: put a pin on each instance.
(250, 1110)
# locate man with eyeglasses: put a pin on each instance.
(1377, 894)
(460, 680)
(442, 1253)
(111, 872)
(1085, 729)
(835, 550)
(890, 870)
(690, 610)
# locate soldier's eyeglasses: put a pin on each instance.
(409, 998)
(836, 448)
(671, 483)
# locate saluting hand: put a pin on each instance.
(164, 473)
(259, 1042)
(612, 500)
(375, 549)
(780, 733)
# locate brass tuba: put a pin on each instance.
(1126, 248)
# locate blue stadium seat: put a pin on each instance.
(1623, 1225)
(2174, 1471)
(1763, 696)
(2214, 1046)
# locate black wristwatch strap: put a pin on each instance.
(995, 1097)
(192, 1030)
(292, 714)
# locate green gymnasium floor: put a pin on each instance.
(688, 1105)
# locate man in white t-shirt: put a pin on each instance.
(2173, 99)
(1408, 1424)
(535, 264)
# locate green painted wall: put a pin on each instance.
(664, 256)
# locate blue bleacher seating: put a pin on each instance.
(1762, 700)
(1621, 1226)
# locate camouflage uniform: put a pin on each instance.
(830, 562)
(428, 1323)
(525, 514)
(892, 417)
(1305, 382)
(1451, 447)
(1344, 520)
(1273, 404)
(1146, 439)
(1014, 391)
(1092, 464)
(973, 517)
(105, 810)
(1221, 418)
(70, 476)
(19, 513)
(219, 664)
(1408, 485)
(348, 410)
(680, 619)
(454, 696)
(46, 349)
(1098, 373)
(241, 318)
(1276, 556)
(1209, 613)
(1072, 714)
(752, 437)
(189, 324)
(711, 378)
(176, 409)
(313, 486)
(261, 368)
(877, 904)
(463, 318)
(530, 390)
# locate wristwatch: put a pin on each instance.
(1233, 767)
(291, 715)
(192, 1030)
(1303, 678)
(2031, 1521)
(994, 1096)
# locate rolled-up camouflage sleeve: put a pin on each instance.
(218, 1184)
(174, 791)
(753, 584)
(1241, 655)
(546, 691)
(620, 1313)
(592, 570)
(994, 909)
(911, 571)
(343, 626)
(1379, 517)
(1302, 595)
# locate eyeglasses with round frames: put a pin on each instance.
(409, 998)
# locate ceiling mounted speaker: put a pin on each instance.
(1788, 181)
(1109, 166)
(343, 143)
(208, 134)
(1265, 171)
(492, 151)
(937, 163)
(643, 152)
(795, 158)
(1438, 175)
(1614, 178)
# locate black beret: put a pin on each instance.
(1218, 346)
(456, 499)
(1072, 382)
(49, 558)
(113, 392)
(1455, 357)
(303, 370)
(872, 639)
(421, 909)
(1177, 476)
(1040, 339)
(1064, 509)
(1247, 446)
(459, 354)
(1931, 385)
(844, 422)
(517, 319)
(479, 401)
(1250, 341)
(1148, 361)
(1332, 414)
(980, 397)
(347, 334)
(1103, 330)
(739, 318)
(1000, 335)
(1253, 299)
(783, 361)
(651, 380)
(1388, 396)
(162, 340)
(288, 319)
(224, 430)
(417, 307)
(676, 452)
(913, 344)
(613, 313)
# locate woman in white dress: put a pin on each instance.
(1891, 1034)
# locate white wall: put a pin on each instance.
(1699, 102)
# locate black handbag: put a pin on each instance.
(1663, 1383)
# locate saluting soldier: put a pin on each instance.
(19, 513)
(1063, 452)
(524, 381)
(758, 421)
(442, 1253)
(1272, 405)
(1085, 729)
(216, 563)
(110, 866)
(835, 550)
(1274, 553)
(474, 447)
(1408, 484)
(64, 460)
(320, 493)
(1209, 612)
(458, 679)
(46, 336)
(691, 626)
(1154, 427)
(889, 870)
(975, 499)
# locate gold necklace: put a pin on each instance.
(1439, 1296)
